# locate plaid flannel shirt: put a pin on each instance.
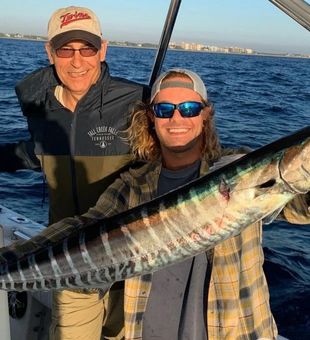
(238, 298)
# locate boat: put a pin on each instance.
(26, 316)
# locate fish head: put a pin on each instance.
(295, 167)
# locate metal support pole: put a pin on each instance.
(299, 10)
(4, 306)
(165, 38)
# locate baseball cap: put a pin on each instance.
(197, 84)
(72, 23)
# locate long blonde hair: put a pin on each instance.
(144, 142)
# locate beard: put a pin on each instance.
(191, 145)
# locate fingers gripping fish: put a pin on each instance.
(81, 252)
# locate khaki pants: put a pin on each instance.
(84, 316)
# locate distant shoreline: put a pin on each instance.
(135, 45)
(263, 54)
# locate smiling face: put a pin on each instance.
(180, 137)
(77, 73)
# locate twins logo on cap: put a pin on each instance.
(70, 17)
(74, 23)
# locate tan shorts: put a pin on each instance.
(80, 316)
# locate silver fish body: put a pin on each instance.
(187, 221)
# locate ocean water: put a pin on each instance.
(257, 100)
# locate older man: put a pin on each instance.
(75, 112)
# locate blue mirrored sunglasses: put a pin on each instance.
(186, 109)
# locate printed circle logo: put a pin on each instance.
(103, 144)
(103, 136)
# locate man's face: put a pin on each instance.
(178, 134)
(77, 73)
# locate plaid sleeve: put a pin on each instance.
(112, 201)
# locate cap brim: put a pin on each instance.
(63, 38)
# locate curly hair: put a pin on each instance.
(144, 142)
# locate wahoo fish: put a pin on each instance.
(83, 252)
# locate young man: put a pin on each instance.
(75, 112)
(221, 294)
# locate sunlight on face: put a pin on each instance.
(77, 73)
(178, 132)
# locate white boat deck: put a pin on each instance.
(35, 322)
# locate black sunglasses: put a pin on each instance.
(68, 52)
(186, 109)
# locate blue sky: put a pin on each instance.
(254, 24)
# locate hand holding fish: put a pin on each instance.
(295, 167)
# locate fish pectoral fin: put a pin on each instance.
(271, 217)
